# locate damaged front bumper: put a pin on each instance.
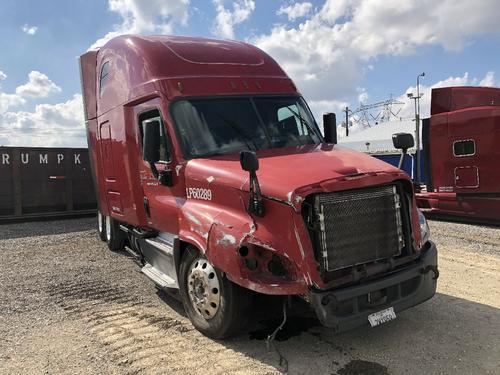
(347, 308)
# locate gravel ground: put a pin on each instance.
(69, 306)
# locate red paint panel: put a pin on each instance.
(115, 202)
(107, 152)
(88, 62)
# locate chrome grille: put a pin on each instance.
(359, 226)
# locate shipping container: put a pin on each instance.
(44, 182)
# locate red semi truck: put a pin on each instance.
(460, 142)
(210, 166)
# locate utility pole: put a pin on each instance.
(417, 123)
(346, 121)
(417, 119)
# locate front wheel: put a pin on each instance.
(216, 307)
(101, 226)
(115, 238)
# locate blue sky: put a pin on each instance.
(338, 52)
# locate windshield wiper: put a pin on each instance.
(240, 132)
(304, 122)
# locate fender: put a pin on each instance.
(219, 232)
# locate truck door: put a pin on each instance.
(160, 202)
(113, 196)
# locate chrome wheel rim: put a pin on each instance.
(108, 228)
(99, 222)
(203, 288)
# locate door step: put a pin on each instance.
(159, 277)
(132, 253)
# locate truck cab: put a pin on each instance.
(209, 165)
(460, 145)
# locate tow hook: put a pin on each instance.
(432, 268)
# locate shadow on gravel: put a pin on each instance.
(172, 299)
(446, 334)
(46, 228)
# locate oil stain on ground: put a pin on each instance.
(359, 367)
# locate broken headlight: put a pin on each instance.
(424, 227)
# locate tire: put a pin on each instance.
(115, 238)
(101, 226)
(225, 312)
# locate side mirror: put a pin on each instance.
(249, 161)
(402, 141)
(151, 141)
(330, 128)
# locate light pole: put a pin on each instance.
(346, 121)
(417, 119)
(417, 122)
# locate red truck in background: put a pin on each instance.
(210, 166)
(460, 142)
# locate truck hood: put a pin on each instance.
(285, 171)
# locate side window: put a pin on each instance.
(103, 78)
(287, 116)
(147, 119)
(464, 148)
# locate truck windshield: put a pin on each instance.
(219, 126)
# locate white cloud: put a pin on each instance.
(38, 86)
(363, 96)
(30, 30)
(226, 19)
(326, 54)
(488, 80)
(295, 11)
(49, 125)
(320, 107)
(146, 17)
(44, 126)
(9, 100)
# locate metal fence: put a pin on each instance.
(41, 182)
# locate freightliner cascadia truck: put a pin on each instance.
(209, 166)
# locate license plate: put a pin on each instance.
(381, 317)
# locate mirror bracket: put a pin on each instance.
(250, 163)
(154, 170)
(255, 201)
(164, 177)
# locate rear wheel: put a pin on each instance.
(115, 238)
(217, 307)
(101, 226)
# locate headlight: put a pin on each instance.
(424, 227)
